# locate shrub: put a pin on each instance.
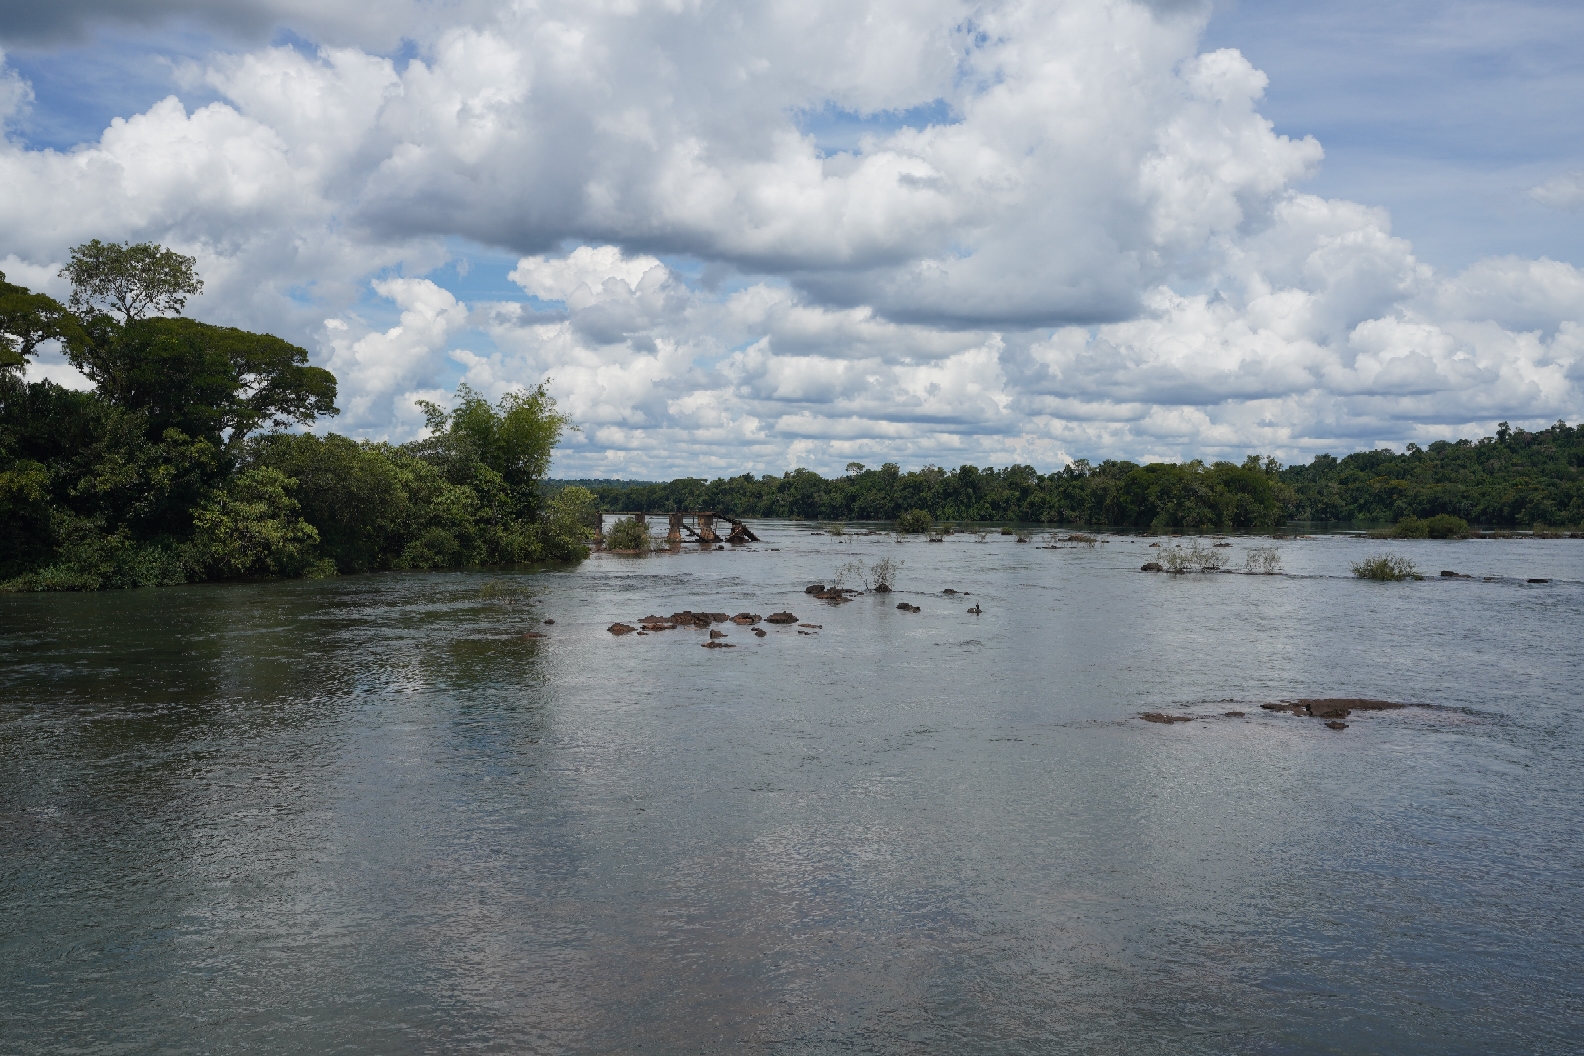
(629, 533)
(882, 574)
(1441, 526)
(1446, 526)
(1194, 558)
(1386, 567)
(913, 522)
(252, 528)
(1262, 561)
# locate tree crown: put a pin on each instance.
(133, 280)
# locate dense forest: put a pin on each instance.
(1513, 479)
(175, 467)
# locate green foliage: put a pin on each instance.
(1441, 526)
(629, 533)
(27, 320)
(208, 381)
(251, 528)
(1386, 567)
(159, 475)
(1514, 478)
(913, 522)
(133, 280)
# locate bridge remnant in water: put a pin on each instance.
(701, 526)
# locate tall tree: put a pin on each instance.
(208, 381)
(133, 280)
(27, 320)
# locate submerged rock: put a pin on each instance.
(1334, 725)
(1162, 717)
(620, 628)
(1151, 566)
(549, 623)
(1232, 714)
(813, 626)
(1338, 707)
(717, 634)
(712, 644)
(760, 632)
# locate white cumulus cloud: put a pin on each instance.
(1049, 230)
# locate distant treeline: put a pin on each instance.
(1513, 479)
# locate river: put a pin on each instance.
(371, 815)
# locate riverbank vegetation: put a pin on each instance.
(1513, 479)
(177, 468)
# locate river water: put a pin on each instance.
(368, 815)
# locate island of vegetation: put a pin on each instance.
(179, 465)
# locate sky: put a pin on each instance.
(744, 237)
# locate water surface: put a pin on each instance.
(368, 815)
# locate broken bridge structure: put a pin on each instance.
(702, 527)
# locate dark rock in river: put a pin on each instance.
(816, 588)
(1539, 581)
(620, 628)
(717, 634)
(882, 588)
(1336, 725)
(760, 632)
(1338, 707)
(1151, 566)
(948, 591)
(1295, 709)
(780, 617)
(549, 623)
(1232, 714)
(745, 619)
(1160, 716)
(813, 626)
(717, 645)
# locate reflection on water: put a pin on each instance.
(370, 815)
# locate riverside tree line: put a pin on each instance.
(1513, 479)
(179, 467)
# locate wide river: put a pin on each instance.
(370, 815)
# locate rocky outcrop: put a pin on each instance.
(781, 617)
(620, 628)
(745, 619)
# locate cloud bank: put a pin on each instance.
(1047, 230)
